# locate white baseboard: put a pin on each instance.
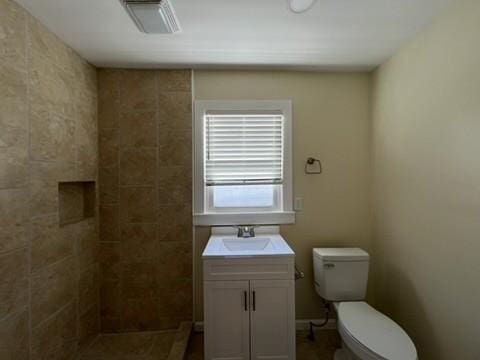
(299, 325)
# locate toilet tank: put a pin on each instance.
(341, 274)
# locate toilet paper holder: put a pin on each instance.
(313, 166)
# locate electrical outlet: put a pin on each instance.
(298, 203)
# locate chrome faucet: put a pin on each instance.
(245, 231)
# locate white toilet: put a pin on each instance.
(341, 276)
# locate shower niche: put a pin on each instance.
(76, 201)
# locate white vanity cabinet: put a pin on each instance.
(249, 308)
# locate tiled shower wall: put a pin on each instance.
(145, 198)
(49, 297)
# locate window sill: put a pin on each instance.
(264, 218)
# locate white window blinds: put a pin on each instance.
(243, 148)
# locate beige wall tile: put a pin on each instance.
(175, 259)
(44, 42)
(55, 124)
(138, 166)
(138, 204)
(108, 98)
(44, 174)
(111, 299)
(108, 84)
(48, 244)
(138, 128)
(12, 30)
(13, 102)
(43, 200)
(88, 326)
(13, 281)
(13, 219)
(110, 261)
(85, 75)
(55, 338)
(111, 325)
(44, 178)
(174, 80)
(175, 222)
(154, 206)
(108, 113)
(87, 243)
(141, 314)
(14, 338)
(108, 147)
(175, 110)
(108, 181)
(139, 280)
(109, 223)
(139, 242)
(88, 288)
(87, 162)
(174, 147)
(52, 288)
(175, 185)
(51, 137)
(176, 300)
(138, 90)
(86, 132)
(50, 87)
(13, 167)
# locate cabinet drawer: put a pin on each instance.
(249, 268)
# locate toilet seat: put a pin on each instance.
(372, 335)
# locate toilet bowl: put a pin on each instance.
(367, 334)
(341, 276)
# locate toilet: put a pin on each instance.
(341, 277)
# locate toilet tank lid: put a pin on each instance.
(341, 254)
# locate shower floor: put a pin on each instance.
(131, 346)
(158, 345)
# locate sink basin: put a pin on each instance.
(226, 246)
(248, 244)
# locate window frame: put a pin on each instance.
(202, 217)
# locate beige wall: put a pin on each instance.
(145, 198)
(49, 301)
(331, 121)
(427, 185)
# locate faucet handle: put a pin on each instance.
(245, 231)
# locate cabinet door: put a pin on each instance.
(226, 320)
(272, 319)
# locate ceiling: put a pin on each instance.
(333, 35)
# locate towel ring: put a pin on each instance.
(310, 162)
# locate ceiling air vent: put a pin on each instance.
(153, 17)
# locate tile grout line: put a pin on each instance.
(29, 230)
(118, 150)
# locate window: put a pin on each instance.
(243, 162)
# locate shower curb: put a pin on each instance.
(180, 344)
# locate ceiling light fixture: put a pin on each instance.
(153, 16)
(300, 6)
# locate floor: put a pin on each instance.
(157, 345)
(326, 342)
(131, 346)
